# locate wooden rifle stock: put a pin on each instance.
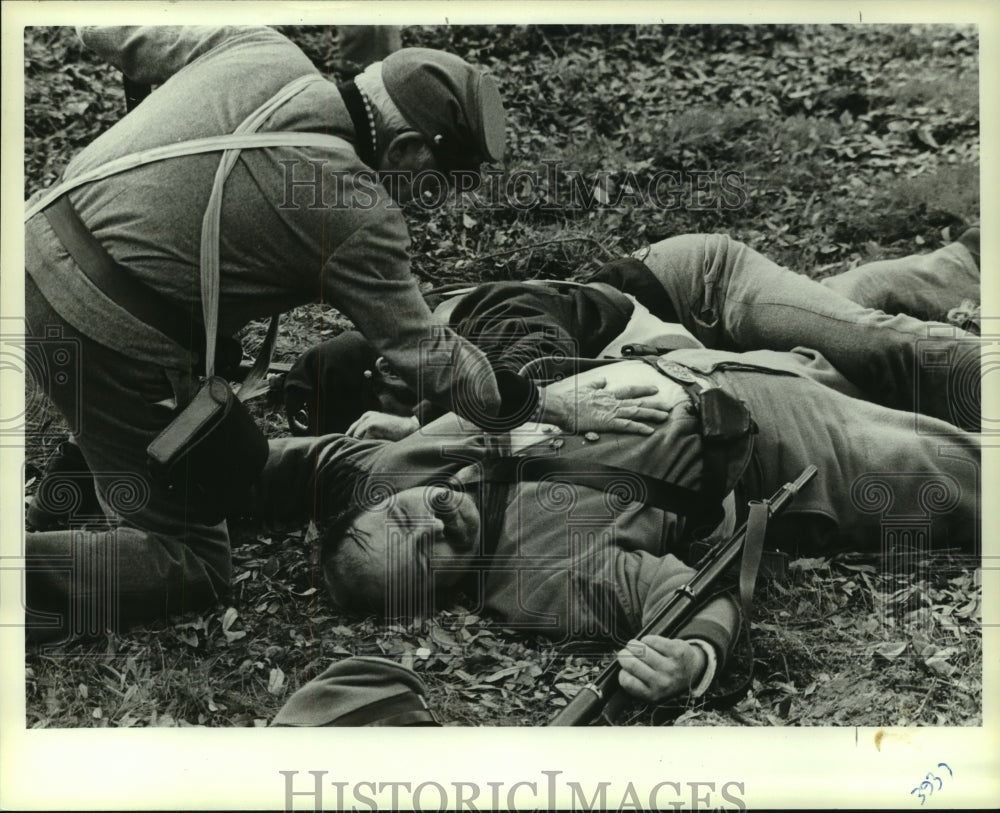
(603, 701)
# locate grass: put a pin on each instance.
(856, 143)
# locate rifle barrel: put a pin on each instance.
(583, 708)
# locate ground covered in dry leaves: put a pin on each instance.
(855, 143)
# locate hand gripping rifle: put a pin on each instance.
(603, 701)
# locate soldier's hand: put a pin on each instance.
(629, 409)
(656, 668)
(382, 426)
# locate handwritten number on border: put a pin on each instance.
(929, 781)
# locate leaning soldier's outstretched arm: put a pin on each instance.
(308, 477)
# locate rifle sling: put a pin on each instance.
(753, 549)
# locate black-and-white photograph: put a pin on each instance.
(436, 371)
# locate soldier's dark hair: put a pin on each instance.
(345, 581)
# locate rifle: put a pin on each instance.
(603, 701)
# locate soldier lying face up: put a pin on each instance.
(586, 557)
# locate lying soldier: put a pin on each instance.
(405, 525)
(876, 324)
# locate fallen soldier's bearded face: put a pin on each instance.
(393, 553)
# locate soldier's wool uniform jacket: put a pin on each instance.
(582, 562)
(285, 240)
(568, 561)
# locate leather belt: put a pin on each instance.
(101, 269)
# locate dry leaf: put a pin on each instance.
(568, 689)
(940, 666)
(891, 651)
(500, 674)
(189, 637)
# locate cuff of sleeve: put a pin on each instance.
(711, 632)
(518, 400)
(711, 664)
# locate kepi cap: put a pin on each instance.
(359, 691)
(454, 105)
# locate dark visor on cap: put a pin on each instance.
(492, 119)
(487, 138)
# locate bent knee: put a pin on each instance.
(685, 250)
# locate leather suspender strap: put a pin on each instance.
(211, 226)
(99, 266)
(240, 139)
(649, 490)
(141, 301)
(753, 549)
(197, 146)
(136, 298)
